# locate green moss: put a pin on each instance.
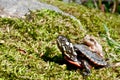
(91, 19)
(28, 47)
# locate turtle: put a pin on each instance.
(79, 55)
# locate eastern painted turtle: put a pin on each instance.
(79, 55)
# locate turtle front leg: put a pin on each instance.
(86, 67)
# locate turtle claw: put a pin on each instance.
(85, 73)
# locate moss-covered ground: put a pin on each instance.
(28, 47)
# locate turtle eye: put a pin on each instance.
(67, 43)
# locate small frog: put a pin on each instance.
(93, 45)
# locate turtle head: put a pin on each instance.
(66, 47)
(62, 42)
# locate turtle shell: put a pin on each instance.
(83, 51)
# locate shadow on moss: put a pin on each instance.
(57, 59)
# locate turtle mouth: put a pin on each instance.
(62, 42)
